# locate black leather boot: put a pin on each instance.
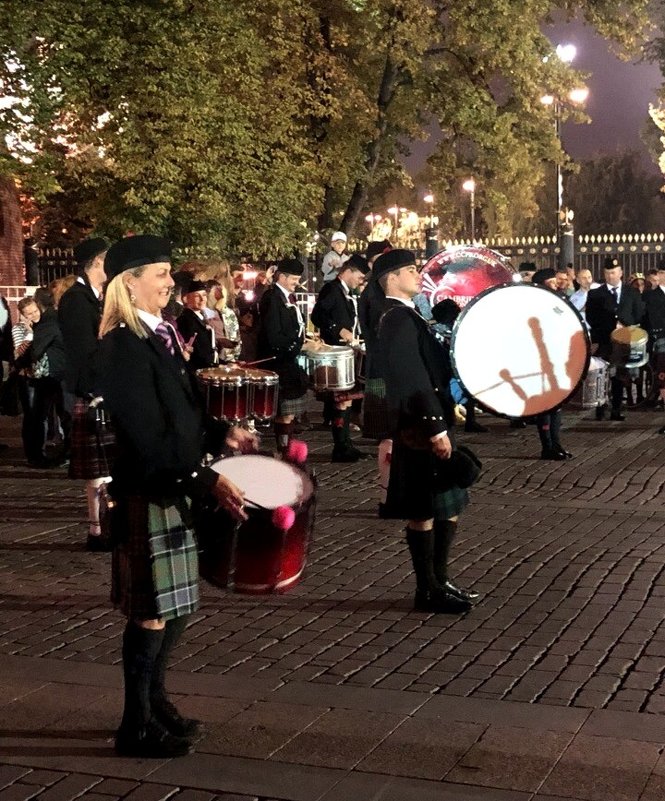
(444, 534)
(163, 710)
(140, 734)
(430, 595)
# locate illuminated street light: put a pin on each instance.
(470, 186)
(566, 52)
(396, 211)
(579, 96)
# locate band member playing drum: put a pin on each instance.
(425, 479)
(612, 305)
(549, 423)
(335, 314)
(161, 438)
(281, 337)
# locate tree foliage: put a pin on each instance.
(241, 124)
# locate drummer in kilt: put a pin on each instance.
(79, 313)
(428, 473)
(161, 438)
(335, 314)
(280, 340)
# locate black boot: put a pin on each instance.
(444, 534)
(430, 595)
(471, 424)
(343, 451)
(140, 734)
(163, 710)
(555, 434)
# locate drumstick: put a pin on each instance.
(258, 361)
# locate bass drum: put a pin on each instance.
(461, 273)
(520, 350)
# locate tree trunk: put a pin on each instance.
(11, 235)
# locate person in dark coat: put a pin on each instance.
(281, 337)
(654, 322)
(194, 329)
(79, 314)
(161, 439)
(426, 485)
(335, 314)
(612, 305)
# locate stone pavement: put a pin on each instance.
(552, 688)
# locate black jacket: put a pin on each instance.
(203, 355)
(79, 313)
(333, 311)
(417, 372)
(6, 346)
(48, 340)
(602, 314)
(158, 420)
(654, 312)
(371, 305)
(279, 338)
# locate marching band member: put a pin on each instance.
(79, 313)
(194, 328)
(427, 483)
(654, 318)
(281, 337)
(161, 438)
(335, 314)
(612, 305)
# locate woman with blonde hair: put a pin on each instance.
(223, 321)
(161, 438)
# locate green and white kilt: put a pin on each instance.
(155, 572)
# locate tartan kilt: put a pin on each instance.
(288, 406)
(375, 410)
(155, 558)
(412, 490)
(91, 445)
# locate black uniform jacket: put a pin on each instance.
(333, 311)
(203, 355)
(79, 313)
(416, 369)
(48, 340)
(279, 339)
(158, 419)
(654, 314)
(371, 305)
(602, 314)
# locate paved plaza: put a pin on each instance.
(552, 688)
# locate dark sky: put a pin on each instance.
(619, 97)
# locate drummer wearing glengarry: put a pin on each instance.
(427, 473)
(612, 305)
(281, 337)
(161, 438)
(335, 314)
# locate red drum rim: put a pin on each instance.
(530, 288)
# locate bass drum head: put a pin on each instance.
(520, 350)
(461, 273)
(266, 482)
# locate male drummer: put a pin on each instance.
(193, 327)
(424, 482)
(281, 337)
(335, 314)
(654, 319)
(612, 305)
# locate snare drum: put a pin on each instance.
(264, 386)
(330, 368)
(257, 557)
(629, 346)
(594, 390)
(226, 392)
(519, 349)
(359, 357)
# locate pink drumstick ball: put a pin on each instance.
(283, 517)
(297, 451)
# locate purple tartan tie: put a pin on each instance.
(164, 334)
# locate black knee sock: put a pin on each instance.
(544, 431)
(444, 534)
(172, 632)
(283, 433)
(421, 548)
(555, 428)
(140, 648)
(340, 428)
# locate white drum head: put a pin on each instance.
(519, 349)
(266, 482)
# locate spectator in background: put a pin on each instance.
(31, 259)
(223, 321)
(652, 281)
(564, 282)
(6, 348)
(59, 286)
(527, 270)
(585, 282)
(638, 282)
(335, 257)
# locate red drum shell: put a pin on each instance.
(226, 392)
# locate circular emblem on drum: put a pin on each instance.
(520, 349)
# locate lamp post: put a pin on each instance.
(395, 211)
(431, 223)
(372, 219)
(470, 186)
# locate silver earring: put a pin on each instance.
(132, 298)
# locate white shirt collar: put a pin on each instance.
(406, 302)
(662, 286)
(285, 291)
(97, 293)
(151, 320)
(612, 288)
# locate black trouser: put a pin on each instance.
(32, 435)
(48, 400)
(549, 427)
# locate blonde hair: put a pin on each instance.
(118, 307)
(220, 271)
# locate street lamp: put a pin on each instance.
(396, 211)
(431, 223)
(372, 220)
(470, 186)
